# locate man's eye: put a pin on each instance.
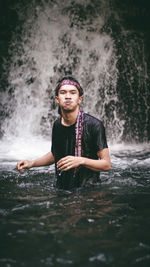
(73, 92)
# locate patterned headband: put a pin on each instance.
(70, 82)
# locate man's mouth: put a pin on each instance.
(68, 102)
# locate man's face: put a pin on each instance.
(68, 97)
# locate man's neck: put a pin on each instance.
(69, 118)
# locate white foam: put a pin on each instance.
(130, 155)
(131, 147)
(23, 148)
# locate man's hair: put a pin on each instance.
(71, 81)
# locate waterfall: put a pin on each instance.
(58, 38)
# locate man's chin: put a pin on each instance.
(68, 109)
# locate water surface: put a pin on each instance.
(105, 225)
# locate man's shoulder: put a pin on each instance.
(91, 120)
(57, 121)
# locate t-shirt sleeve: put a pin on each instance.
(52, 140)
(100, 136)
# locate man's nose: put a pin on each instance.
(68, 95)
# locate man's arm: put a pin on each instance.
(45, 160)
(102, 164)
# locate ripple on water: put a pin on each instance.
(101, 257)
(20, 207)
(3, 212)
(104, 220)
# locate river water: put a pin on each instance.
(105, 225)
(100, 43)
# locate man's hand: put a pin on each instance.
(45, 160)
(100, 164)
(23, 164)
(69, 162)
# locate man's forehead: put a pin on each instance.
(68, 87)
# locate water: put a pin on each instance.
(45, 49)
(105, 225)
(88, 41)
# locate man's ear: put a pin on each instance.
(56, 98)
(80, 99)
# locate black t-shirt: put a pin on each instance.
(63, 144)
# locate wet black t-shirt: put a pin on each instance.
(63, 144)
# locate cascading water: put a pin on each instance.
(66, 38)
(55, 39)
(46, 50)
(40, 225)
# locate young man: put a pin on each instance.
(79, 147)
